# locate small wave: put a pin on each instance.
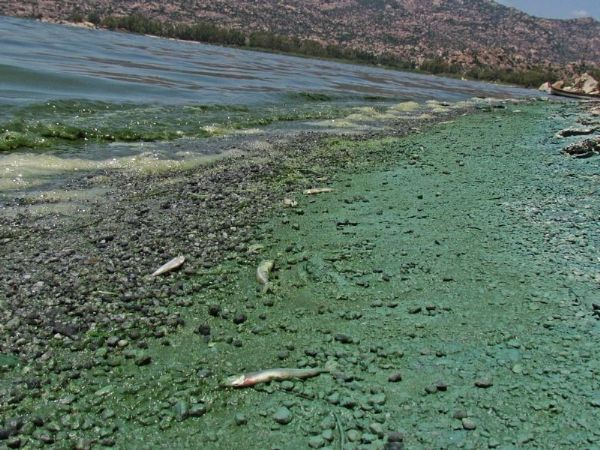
(319, 96)
(44, 125)
(311, 96)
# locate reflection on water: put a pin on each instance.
(109, 66)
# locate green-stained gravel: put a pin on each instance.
(448, 280)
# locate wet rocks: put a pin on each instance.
(484, 383)
(574, 132)
(143, 360)
(395, 441)
(364, 365)
(468, 424)
(181, 410)
(395, 377)
(282, 415)
(203, 329)
(14, 442)
(197, 410)
(378, 399)
(239, 318)
(316, 442)
(583, 149)
(240, 419)
(460, 414)
(343, 338)
(215, 310)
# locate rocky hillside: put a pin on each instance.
(465, 32)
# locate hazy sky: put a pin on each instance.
(560, 9)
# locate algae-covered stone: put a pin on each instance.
(282, 416)
(353, 435)
(240, 419)
(468, 424)
(197, 410)
(143, 360)
(316, 442)
(181, 410)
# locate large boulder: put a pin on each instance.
(584, 149)
(545, 87)
(586, 83)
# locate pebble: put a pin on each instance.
(112, 341)
(197, 410)
(353, 435)
(143, 360)
(287, 385)
(214, 310)
(328, 423)
(441, 386)
(367, 438)
(204, 329)
(316, 442)
(377, 399)
(14, 442)
(468, 424)
(431, 389)
(395, 377)
(327, 435)
(181, 410)
(343, 338)
(460, 414)
(240, 419)
(484, 383)
(282, 416)
(334, 398)
(107, 442)
(376, 428)
(239, 318)
(395, 436)
(348, 402)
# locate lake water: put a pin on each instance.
(73, 97)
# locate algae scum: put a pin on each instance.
(60, 123)
(448, 281)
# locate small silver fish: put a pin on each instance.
(315, 191)
(171, 265)
(263, 271)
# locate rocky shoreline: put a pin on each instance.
(88, 337)
(92, 270)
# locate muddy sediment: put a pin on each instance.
(447, 279)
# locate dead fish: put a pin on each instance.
(171, 265)
(317, 191)
(263, 376)
(263, 271)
